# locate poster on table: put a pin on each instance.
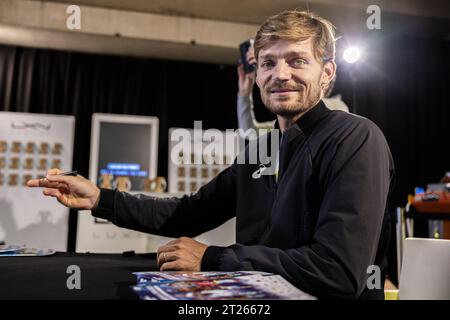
(31, 144)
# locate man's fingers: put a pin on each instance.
(170, 251)
(174, 241)
(170, 266)
(63, 200)
(250, 54)
(173, 245)
(56, 185)
(33, 183)
(44, 183)
(64, 179)
(51, 192)
(53, 171)
(240, 70)
(166, 257)
(56, 194)
(168, 244)
(168, 248)
(251, 76)
(163, 252)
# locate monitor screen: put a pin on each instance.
(124, 151)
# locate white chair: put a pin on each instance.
(425, 272)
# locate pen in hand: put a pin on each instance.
(69, 173)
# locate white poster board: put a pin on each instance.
(121, 146)
(204, 159)
(210, 152)
(30, 144)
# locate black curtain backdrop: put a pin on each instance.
(68, 83)
(402, 84)
(57, 82)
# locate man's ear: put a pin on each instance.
(329, 71)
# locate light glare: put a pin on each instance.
(352, 54)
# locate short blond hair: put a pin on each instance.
(295, 25)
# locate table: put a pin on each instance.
(103, 276)
(432, 210)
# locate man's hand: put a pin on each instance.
(73, 192)
(246, 80)
(181, 254)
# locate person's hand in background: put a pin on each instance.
(251, 56)
(247, 80)
(73, 192)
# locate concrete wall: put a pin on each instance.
(112, 31)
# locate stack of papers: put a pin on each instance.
(23, 251)
(238, 285)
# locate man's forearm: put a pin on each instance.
(187, 216)
(140, 212)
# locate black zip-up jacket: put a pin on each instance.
(320, 225)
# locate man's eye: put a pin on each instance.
(300, 62)
(267, 64)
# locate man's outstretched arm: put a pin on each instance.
(188, 216)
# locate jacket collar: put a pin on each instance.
(294, 135)
(307, 121)
(312, 117)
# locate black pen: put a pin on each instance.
(69, 173)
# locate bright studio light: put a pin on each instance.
(352, 54)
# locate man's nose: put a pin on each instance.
(281, 72)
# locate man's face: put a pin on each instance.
(290, 78)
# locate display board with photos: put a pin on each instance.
(31, 144)
(197, 156)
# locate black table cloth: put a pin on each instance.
(103, 276)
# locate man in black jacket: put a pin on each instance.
(320, 221)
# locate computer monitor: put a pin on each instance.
(123, 147)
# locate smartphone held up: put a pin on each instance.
(243, 49)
